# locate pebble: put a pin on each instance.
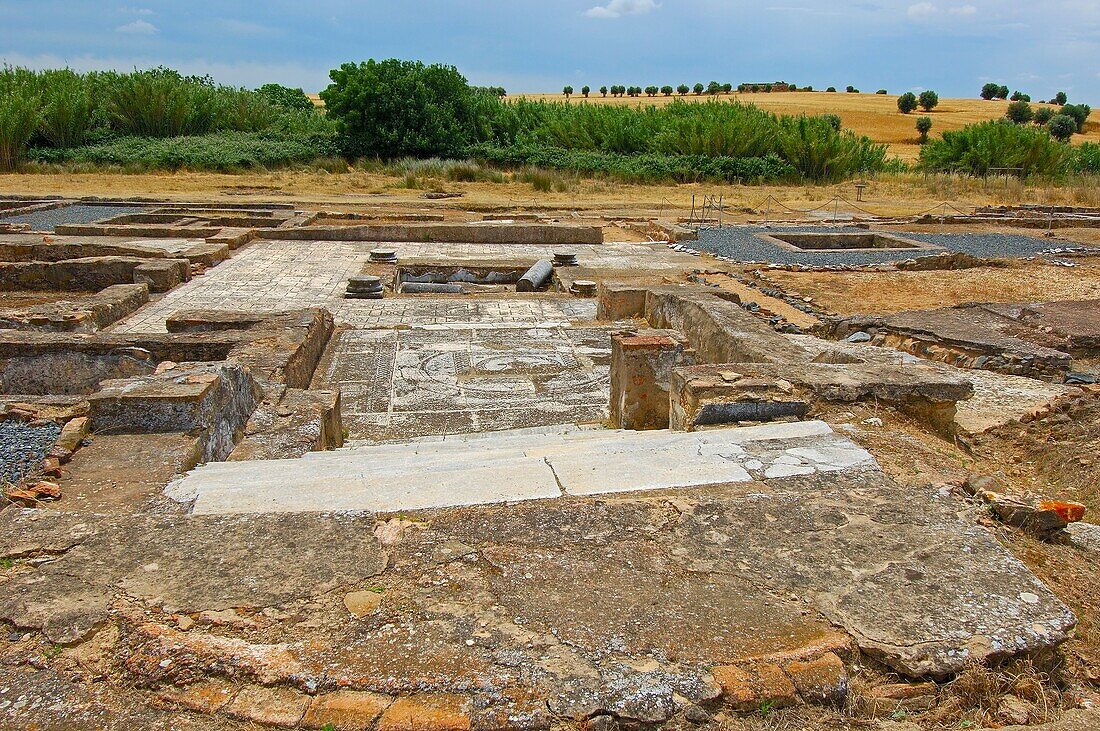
(23, 446)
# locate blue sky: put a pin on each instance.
(953, 46)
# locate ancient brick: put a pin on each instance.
(748, 687)
(269, 706)
(824, 680)
(347, 710)
(427, 713)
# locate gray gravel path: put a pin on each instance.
(740, 244)
(77, 213)
(23, 446)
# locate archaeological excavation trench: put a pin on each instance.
(303, 468)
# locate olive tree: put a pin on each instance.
(928, 100)
(907, 102)
(924, 126)
(1062, 127)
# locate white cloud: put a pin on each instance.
(922, 10)
(619, 8)
(138, 28)
(963, 10)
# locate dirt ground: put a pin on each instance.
(876, 293)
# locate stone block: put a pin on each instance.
(163, 275)
(298, 423)
(641, 366)
(280, 707)
(442, 712)
(347, 710)
(617, 301)
(824, 680)
(212, 400)
(749, 687)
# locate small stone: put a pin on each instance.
(823, 680)
(748, 687)
(696, 713)
(1014, 711)
(858, 337)
(363, 603)
(185, 623)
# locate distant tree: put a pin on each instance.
(907, 102)
(1062, 127)
(698, 89)
(1019, 112)
(1019, 96)
(1002, 92)
(834, 121)
(755, 88)
(585, 91)
(713, 88)
(1060, 98)
(285, 97)
(683, 89)
(990, 91)
(1043, 115)
(603, 91)
(808, 88)
(928, 100)
(651, 91)
(727, 88)
(831, 90)
(768, 88)
(666, 90)
(924, 126)
(851, 89)
(1080, 114)
(567, 91)
(882, 92)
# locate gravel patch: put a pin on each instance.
(77, 213)
(740, 243)
(23, 446)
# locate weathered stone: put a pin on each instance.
(823, 680)
(363, 603)
(749, 687)
(883, 701)
(268, 706)
(347, 710)
(208, 696)
(427, 713)
(641, 367)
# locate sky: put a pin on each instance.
(953, 46)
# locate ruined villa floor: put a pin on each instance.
(484, 552)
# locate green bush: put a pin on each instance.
(1043, 115)
(924, 126)
(928, 100)
(20, 116)
(1086, 158)
(1060, 98)
(1062, 127)
(284, 97)
(1080, 114)
(979, 148)
(682, 89)
(395, 108)
(907, 102)
(224, 152)
(1019, 112)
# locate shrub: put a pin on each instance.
(979, 148)
(1087, 158)
(928, 100)
(1019, 112)
(1060, 98)
(831, 90)
(834, 120)
(1062, 127)
(1018, 96)
(393, 108)
(19, 118)
(682, 89)
(851, 89)
(907, 102)
(1080, 114)
(1043, 115)
(284, 97)
(990, 91)
(882, 92)
(924, 126)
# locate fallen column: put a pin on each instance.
(536, 277)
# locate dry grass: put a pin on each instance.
(873, 115)
(874, 293)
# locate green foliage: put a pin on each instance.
(907, 102)
(1019, 112)
(666, 90)
(1062, 127)
(979, 148)
(698, 89)
(882, 92)
(637, 168)
(683, 89)
(727, 88)
(834, 121)
(831, 90)
(924, 126)
(1043, 115)
(851, 89)
(990, 91)
(1080, 114)
(1019, 96)
(928, 100)
(1060, 98)
(603, 91)
(1002, 92)
(395, 108)
(20, 115)
(651, 91)
(223, 152)
(585, 91)
(1086, 158)
(284, 97)
(567, 90)
(713, 88)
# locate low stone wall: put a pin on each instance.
(642, 363)
(92, 274)
(469, 233)
(84, 314)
